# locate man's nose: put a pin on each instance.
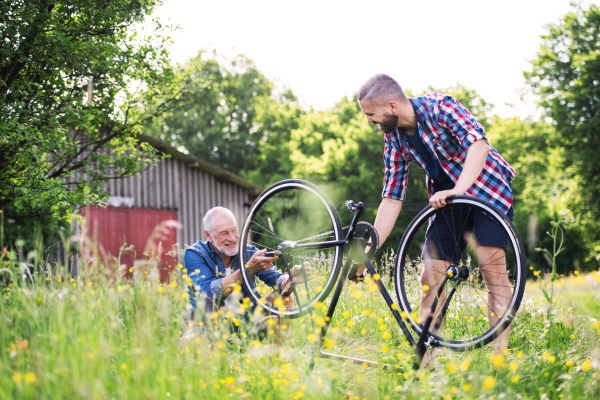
(231, 237)
(370, 120)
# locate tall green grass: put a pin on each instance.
(101, 338)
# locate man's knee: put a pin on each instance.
(432, 276)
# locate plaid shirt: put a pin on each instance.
(447, 129)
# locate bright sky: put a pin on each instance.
(324, 50)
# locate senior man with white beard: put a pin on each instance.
(213, 269)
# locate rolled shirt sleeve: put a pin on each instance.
(396, 171)
(460, 122)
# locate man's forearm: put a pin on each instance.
(386, 218)
(230, 281)
(474, 162)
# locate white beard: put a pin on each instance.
(231, 253)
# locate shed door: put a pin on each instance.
(152, 232)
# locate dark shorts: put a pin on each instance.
(447, 236)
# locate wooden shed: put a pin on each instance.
(180, 188)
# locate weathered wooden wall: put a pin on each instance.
(174, 184)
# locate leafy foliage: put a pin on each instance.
(71, 75)
(230, 115)
(566, 79)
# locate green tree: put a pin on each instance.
(542, 189)
(565, 77)
(341, 151)
(71, 77)
(232, 116)
(472, 100)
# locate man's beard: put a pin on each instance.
(221, 250)
(389, 124)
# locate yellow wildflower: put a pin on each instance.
(451, 367)
(587, 365)
(498, 360)
(488, 383)
(465, 365)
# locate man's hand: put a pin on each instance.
(438, 200)
(298, 276)
(259, 263)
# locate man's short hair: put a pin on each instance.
(209, 218)
(380, 89)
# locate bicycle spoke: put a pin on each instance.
(484, 295)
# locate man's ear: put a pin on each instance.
(207, 236)
(392, 106)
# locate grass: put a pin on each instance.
(109, 339)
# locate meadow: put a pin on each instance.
(102, 337)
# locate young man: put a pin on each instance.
(443, 138)
(212, 267)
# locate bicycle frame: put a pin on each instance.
(424, 340)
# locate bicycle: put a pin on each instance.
(297, 220)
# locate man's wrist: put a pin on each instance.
(285, 287)
(250, 271)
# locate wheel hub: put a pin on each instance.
(458, 273)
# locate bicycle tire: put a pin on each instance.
(273, 231)
(405, 280)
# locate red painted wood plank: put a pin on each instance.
(153, 232)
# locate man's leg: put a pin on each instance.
(432, 276)
(492, 263)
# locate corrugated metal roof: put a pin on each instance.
(191, 161)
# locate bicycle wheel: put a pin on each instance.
(298, 217)
(485, 284)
